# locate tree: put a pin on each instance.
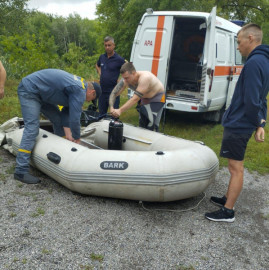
(246, 10)
(255, 11)
(26, 53)
(60, 33)
(13, 15)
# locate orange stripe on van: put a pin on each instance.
(222, 70)
(227, 70)
(157, 45)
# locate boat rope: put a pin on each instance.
(172, 210)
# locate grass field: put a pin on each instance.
(184, 125)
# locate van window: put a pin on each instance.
(239, 60)
(223, 50)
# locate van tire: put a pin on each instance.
(215, 116)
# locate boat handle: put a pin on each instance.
(54, 157)
(202, 143)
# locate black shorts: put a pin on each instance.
(234, 145)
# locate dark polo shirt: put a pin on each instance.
(110, 71)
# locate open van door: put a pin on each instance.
(151, 48)
(210, 56)
(235, 73)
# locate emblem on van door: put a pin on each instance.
(114, 165)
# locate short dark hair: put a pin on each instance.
(127, 67)
(95, 86)
(254, 29)
(109, 38)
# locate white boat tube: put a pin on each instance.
(150, 167)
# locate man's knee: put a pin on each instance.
(235, 166)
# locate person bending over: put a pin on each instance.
(147, 88)
(42, 92)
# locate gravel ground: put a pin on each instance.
(47, 226)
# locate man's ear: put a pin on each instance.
(251, 38)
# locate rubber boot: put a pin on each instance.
(26, 178)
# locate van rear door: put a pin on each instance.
(209, 57)
(235, 72)
(152, 45)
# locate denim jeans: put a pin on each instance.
(31, 106)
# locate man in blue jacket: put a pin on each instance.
(246, 114)
(108, 67)
(42, 92)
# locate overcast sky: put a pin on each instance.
(85, 8)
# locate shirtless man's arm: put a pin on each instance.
(116, 92)
(142, 87)
(132, 101)
(146, 86)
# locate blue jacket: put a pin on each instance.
(110, 71)
(58, 87)
(249, 105)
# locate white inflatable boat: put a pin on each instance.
(150, 167)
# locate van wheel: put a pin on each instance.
(215, 116)
(221, 112)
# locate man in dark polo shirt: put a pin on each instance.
(108, 67)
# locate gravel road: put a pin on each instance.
(47, 226)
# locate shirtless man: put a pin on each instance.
(3, 75)
(148, 88)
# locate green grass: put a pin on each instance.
(39, 212)
(185, 125)
(97, 257)
(10, 105)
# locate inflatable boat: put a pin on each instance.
(147, 165)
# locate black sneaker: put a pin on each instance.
(26, 178)
(219, 201)
(224, 214)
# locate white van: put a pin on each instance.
(195, 56)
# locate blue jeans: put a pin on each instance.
(31, 106)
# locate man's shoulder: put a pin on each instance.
(116, 55)
(103, 55)
(257, 62)
(146, 74)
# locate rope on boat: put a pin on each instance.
(172, 210)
